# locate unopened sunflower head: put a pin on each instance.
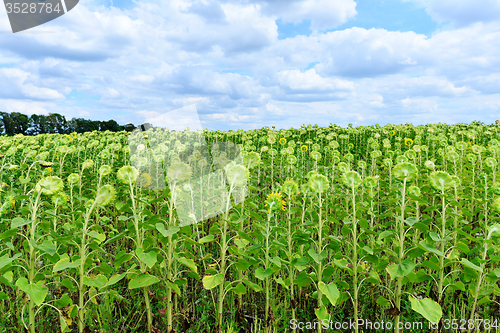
(104, 170)
(414, 190)
(352, 179)
(87, 164)
(429, 165)
(251, 159)
(318, 183)
(73, 178)
(45, 164)
(440, 180)
(316, 155)
(105, 195)
(59, 199)
(405, 171)
(49, 185)
(370, 182)
(343, 167)
(179, 172)
(237, 174)
(455, 181)
(290, 187)
(490, 162)
(127, 174)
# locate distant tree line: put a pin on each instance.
(15, 123)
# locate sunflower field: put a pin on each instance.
(316, 229)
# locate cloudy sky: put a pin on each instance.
(253, 63)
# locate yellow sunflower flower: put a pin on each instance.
(282, 141)
(393, 132)
(144, 179)
(303, 148)
(275, 201)
(408, 142)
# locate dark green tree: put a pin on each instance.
(38, 124)
(129, 127)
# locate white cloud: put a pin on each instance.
(324, 14)
(13, 84)
(176, 120)
(26, 107)
(295, 80)
(462, 12)
(358, 52)
(224, 58)
(420, 104)
(142, 78)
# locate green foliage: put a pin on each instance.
(393, 223)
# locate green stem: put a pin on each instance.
(223, 261)
(400, 256)
(290, 259)
(33, 254)
(320, 267)
(441, 259)
(355, 258)
(267, 326)
(83, 258)
(141, 263)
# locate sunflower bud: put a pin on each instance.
(104, 170)
(318, 183)
(290, 187)
(73, 178)
(237, 175)
(87, 164)
(179, 172)
(351, 179)
(405, 170)
(440, 180)
(429, 165)
(49, 185)
(59, 199)
(105, 195)
(127, 174)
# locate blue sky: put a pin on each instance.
(253, 63)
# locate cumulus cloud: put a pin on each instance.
(324, 14)
(358, 52)
(14, 84)
(211, 11)
(224, 58)
(462, 12)
(310, 81)
(25, 106)
(176, 120)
